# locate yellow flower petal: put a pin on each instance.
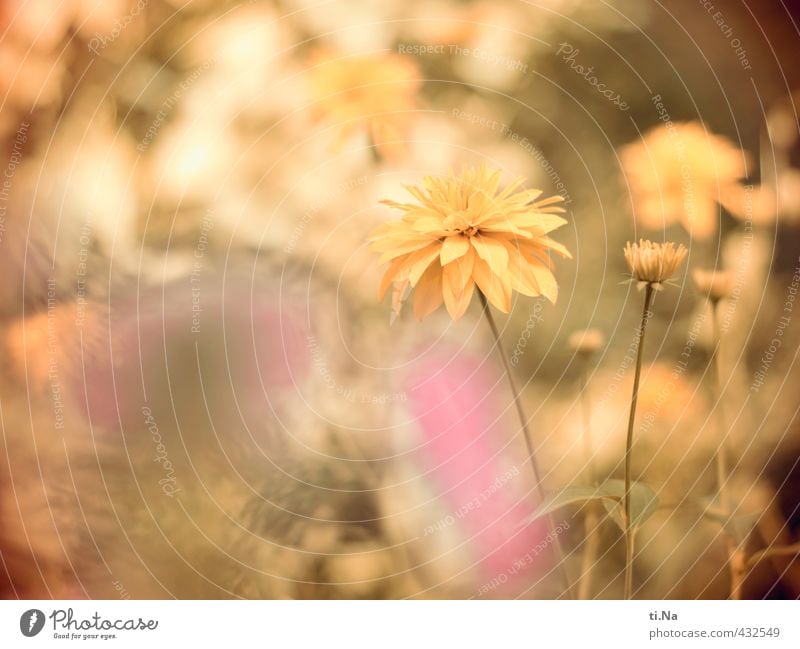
(457, 303)
(522, 278)
(428, 293)
(496, 289)
(454, 247)
(397, 248)
(391, 274)
(461, 234)
(545, 280)
(457, 273)
(493, 252)
(420, 260)
(399, 295)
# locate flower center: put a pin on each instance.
(459, 222)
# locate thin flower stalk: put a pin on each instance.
(629, 530)
(651, 265)
(585, 344)
(737, 560)
(528, 441)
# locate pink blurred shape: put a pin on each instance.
(251, 345)
(455, 402)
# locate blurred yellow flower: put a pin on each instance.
(375, 93)
(654, 263)
(678, 173)
(461, 233)
(587, 341)
(714, 284)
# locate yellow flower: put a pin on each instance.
(714, 284)
(587, 341)
(460, 233)
(654, 263)
(375, 93)
(679, 173)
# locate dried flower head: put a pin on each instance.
(461, 233)
(654, 263)
(587, 341)
(375, 93)
(714, 284)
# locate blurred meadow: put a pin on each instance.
(201, 395)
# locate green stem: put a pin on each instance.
(629, 531)
(526, 434)
(737, 562)
(591, 520)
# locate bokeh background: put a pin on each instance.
(201, 396)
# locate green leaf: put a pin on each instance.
(568, 496)
(643, 501)
(738, 526)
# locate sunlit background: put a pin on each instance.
(201, 396)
